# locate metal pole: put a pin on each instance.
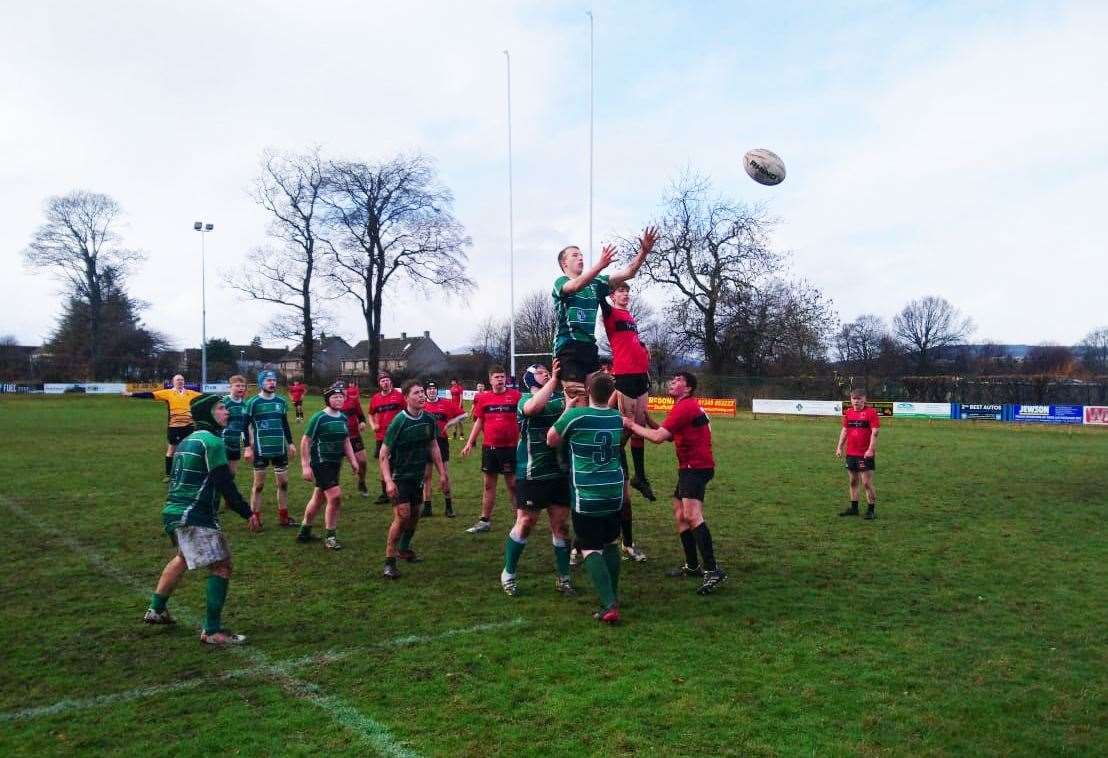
(592, 84)
(511, 231)
(203, 316)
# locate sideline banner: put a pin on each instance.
(883, 407)
(217, 387)
(90, 388)
(1045, 414)
(713, 406)
(21, 388)
(978, 411)
(922, 410)
(1096, 415)
(799, 407)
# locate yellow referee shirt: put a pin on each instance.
(178, 402)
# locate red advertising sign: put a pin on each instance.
(1096, 414)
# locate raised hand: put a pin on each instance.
(647, 240)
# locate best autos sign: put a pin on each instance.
(978, 411)
(1047, 414)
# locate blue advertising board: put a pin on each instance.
(1045, 414)
(977, 411)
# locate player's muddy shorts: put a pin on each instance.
(200, 545)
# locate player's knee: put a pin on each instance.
(282, 484)
(257, 487)
(222, 568)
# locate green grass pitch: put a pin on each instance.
(969, 618)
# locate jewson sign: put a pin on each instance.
(978, 411)
(922, 410)
(799, 407)
(1045, 414)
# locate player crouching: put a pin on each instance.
(200, 475)
(325, 443)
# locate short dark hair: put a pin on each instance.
(600, 386)
(690, 379)
(406, 387)
(564, 250)
(858, 392)
(494, 369)
(621, 286)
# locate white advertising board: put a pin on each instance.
(89, 388)
(921, 410)
(799, 407)
(217, 387)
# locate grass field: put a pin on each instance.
(969, 618)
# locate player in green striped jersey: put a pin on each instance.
(541, 480)
(411, 438)
(269, 440)
(235, 431)
(200, 475)
(325, 443)
(590, 437)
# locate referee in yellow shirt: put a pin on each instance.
(177, 398)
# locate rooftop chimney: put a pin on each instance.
(403, 335)
(426, 334)
(381, 336)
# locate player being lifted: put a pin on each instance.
(688, 426)
(577, 295)
(591, 438)
(447, 413)
(383, 407)
(325, 443)
(269, 442)
(494, 417)
(860, 428)
(541, 482)
(410, 439)
(355, 423)
(235, 431)
(179, 426)
(200, 475)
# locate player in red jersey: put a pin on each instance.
(355, 423)
(447, 413)
(859, 434)
(494, 415)
(383, 407)
(296, 392)
(688, 426)
(456, 392)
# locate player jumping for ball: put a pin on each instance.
(860, 428)
(410, 439)
(577, 295)
(494, 417)
(199, 477)
(325, 443)
(269, 442)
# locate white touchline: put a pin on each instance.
(369, 731)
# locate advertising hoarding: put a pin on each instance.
(1045, 414)
(922, 410)
(799, 407)
(713, 406)
(1097, 415)
(978, 411)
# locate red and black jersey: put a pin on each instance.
(497, 412)
(352, 407)
(443, 410)
(692, 434)
(384, 406)
(297, 390)
(456, 393)
(859, 427)
(629, 356)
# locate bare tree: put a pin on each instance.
(858, 344)
(777, 326)
(392, 223)
(1049, 360)
(492, 343)
(536, 323)
(80, 244)
(928, 324)
(1094, 351)
(288, 274)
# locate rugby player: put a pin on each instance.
(200, 475)
(179, 426)
(325, 443)
(859, 435)
(456, 392)
(296, 392)
(494, 417)
(626, 515)
(355, 423)
(269, 441)
(688, 426)
(447, 413)
(235, 431)
(541, 482)
(410, 439)
(577, 295)
(383, 407)
(591, 437)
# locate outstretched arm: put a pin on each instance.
(657, 435)
(646, 244)
(577, 283)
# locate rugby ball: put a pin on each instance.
(764, 167)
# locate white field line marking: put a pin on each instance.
(279, 668)
(371, 732)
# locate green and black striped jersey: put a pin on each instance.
(328, 434)
(235, 431)
(535, 460)
(576, 313)
(590, 438)
(193, 499)
(408, 439)
(268, 417)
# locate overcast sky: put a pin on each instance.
(957, 149)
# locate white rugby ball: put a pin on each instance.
(764, 166)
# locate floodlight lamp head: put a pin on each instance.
(209, 227)
(197, 225)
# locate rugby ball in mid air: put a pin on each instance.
(764, 167)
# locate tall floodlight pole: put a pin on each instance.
(592, 84)
(511, 233)
(203, 228)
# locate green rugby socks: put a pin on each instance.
(561, 556)
(158, 602)
(611, 558)
(216, 597)
(601, 579)
(513, 549)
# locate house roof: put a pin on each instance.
(335, 347)
(392, 348)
